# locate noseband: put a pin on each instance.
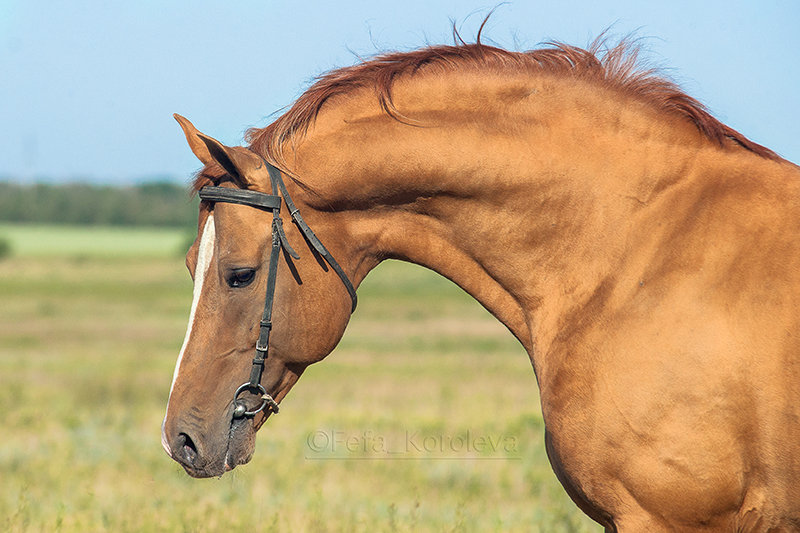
(272, 202)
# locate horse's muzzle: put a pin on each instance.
(202, 456)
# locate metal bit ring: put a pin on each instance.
(240, 411)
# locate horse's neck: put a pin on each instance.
(528, 220)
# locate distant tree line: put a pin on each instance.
(147, 204)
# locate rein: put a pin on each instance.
(260, 200)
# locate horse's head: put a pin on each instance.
(229, 262)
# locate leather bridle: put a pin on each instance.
(260, 200)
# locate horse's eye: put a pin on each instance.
(241, 277)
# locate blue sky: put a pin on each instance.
(88, 88)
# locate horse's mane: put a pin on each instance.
(616, 67)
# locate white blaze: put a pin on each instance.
(204, 254)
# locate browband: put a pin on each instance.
(256, 199)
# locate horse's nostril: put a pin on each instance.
(188, 450)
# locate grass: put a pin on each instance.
(384, 435)
(91, 241)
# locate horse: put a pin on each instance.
(645, 255)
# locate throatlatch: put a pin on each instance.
(260, 200)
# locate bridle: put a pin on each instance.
(272, 202)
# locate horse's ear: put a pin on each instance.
(198, 147)
(240, 163)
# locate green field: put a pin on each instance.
(96, 242)
(91, 322)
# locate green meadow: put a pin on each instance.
(425, 418)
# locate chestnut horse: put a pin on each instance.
(645, 255)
